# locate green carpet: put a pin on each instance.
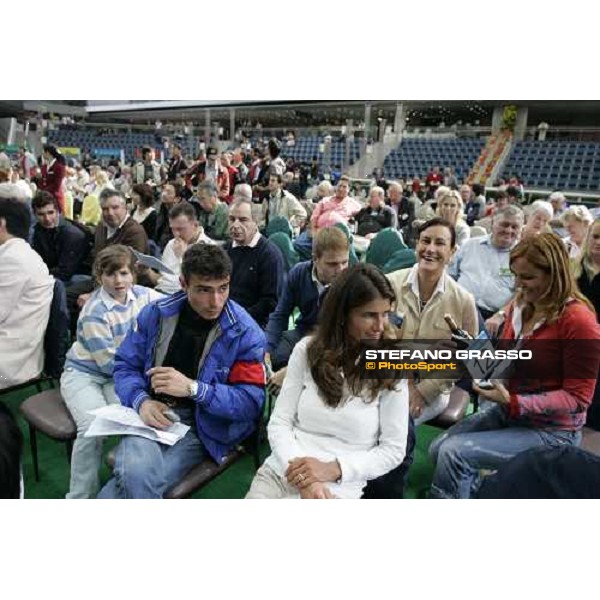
(233, 483)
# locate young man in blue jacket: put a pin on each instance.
(196, 353)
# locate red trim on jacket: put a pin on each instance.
(247, 372)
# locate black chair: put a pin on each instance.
(47, 412)
(454, 412)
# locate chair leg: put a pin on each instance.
(34, 452)
(69, 444)
(256, 454)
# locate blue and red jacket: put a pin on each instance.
(231, 379)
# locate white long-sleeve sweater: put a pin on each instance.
(26, 290)
(367, 438)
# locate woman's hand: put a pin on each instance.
(493, 324)
(416, 400)
(276, 381)
(316, 491)
(499, 394)
(303, 472)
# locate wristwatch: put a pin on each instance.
(193, 389)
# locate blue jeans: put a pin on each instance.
(146, 469)
(484, 440)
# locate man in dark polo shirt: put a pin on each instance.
(258, 267)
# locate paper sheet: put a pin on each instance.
(115, 419)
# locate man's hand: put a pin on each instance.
(147, 272)
(304, 471)
(316, 491)
(179, 247)
(416, 401)
(152, 413)
(166, 380)
(499, 394)
(83, 298)
(276, 381)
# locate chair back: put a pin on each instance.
(284, 243)
(56, 338)
(352, 256)
(279, 224)
(401, 259)
(383, 246)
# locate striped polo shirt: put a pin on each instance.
(102, 326)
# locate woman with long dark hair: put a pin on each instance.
(332, 430)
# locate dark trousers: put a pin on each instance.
(391, 485)
(73, 292)
(281, 355)
(593, 413)
(486, 314)
(544, 473)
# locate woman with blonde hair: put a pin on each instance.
(540, 214)
(577, 220)
(450, 207)
(545, 401)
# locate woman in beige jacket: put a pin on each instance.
(425, 293)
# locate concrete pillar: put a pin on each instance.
(232, 125)
(381, 130)
(367, 121)
(497, 119)
(349, 144)
(399, 120)
(207, 126)
(521, 123)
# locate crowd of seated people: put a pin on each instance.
(230, 294)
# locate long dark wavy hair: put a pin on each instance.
(332, 354)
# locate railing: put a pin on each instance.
(531, 194)
(447, 132)
(579, 134)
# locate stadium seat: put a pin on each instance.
(47, 412)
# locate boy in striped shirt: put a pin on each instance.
(87, 382)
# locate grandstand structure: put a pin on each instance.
(547, 145)
(415, 157)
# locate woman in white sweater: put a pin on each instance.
(331, 430)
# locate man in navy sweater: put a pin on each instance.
(258, 266)
(305, 284)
